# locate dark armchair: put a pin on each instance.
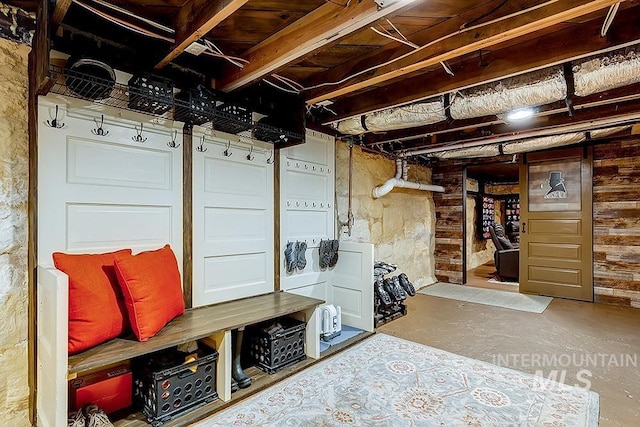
(506, 257)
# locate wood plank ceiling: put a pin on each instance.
(361, 56)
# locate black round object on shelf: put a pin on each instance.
(89, 78)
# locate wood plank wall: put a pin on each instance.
(616, 222)
(450, 218)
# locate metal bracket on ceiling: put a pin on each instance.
(568, 77)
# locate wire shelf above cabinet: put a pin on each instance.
(155, 98)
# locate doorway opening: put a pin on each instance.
(492, 206)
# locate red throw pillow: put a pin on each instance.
(150, 282)
(96, 305)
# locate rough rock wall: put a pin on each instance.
(14, 166)
(400, 225)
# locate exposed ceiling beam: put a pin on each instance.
(559, 47)
(425, 35)
(555, 125)
(324, 25)
(467, 41)
(195, 19)
(60, 11)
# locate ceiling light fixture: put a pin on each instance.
(521, 114)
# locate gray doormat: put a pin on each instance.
(512, 300)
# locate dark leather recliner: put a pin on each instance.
(506, 257)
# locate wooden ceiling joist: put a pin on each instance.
(559, 47)
(60, 11)
(467, 41)
(195, 19)
(325, 25)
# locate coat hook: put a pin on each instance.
(227, 152)
(250, 156)
(139, 137)
(270, 159)
(99, 130)
(172, 143)
(201, 148)
(55, 123)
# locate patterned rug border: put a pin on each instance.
(541, 387)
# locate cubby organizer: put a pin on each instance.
(486, 214)
(157, 102)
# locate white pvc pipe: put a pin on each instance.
(401, 183)
(401, 170)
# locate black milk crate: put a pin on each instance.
(166, 386)
(232, 118)
(195, 106)
(275, 344)
(151, 94)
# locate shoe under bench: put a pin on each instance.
(210, 324)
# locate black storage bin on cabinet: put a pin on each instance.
(195, 106)
(232, 118)
(150, 93)
(275, 344)
(165, 386)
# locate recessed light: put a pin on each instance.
(520, 114)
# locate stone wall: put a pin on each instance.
(616, 222)
(14, 385)
(400, 224)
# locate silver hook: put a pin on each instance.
(201, 148)
(172, 143)
(99, 130)
(250, 156)
(227, 152)
(139, 137)
(270, 159)
(55, 123)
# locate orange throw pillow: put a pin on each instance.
(96, 306)
(150, 282)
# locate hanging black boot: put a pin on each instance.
(236, 368)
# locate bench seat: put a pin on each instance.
(194, 324)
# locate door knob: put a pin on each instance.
(524, 227)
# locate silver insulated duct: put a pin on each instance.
(609, 72)
(529, 90)
(406, 116)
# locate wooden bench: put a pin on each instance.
(210, 324)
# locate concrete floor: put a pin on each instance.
(598, 337)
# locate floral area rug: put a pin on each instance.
(387, 381)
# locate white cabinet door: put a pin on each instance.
(52, 330)
(351, 284)
(232, 221)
